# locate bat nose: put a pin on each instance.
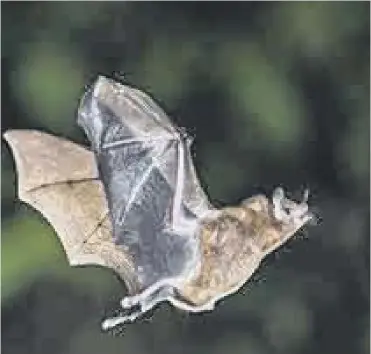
(315, 218)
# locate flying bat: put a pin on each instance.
(133, 203)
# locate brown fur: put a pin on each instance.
(232, 247)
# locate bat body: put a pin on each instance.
(141, 209)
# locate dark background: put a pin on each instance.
(275, 93)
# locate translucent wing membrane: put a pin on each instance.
(60, 179)
(145, 165)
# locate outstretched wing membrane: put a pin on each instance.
(60, 179)
(153, 194)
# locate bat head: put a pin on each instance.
(277, 219)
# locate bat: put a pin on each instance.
(133, 203)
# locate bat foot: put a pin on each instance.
(144, 302)
(127, 303)
(110, 323)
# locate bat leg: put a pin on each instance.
(145, 302)
(165, 293)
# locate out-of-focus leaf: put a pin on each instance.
(273, 115)
(288, 323)
(49, 83)
(217, 162)
(315, 29)
(28, 249)
(166, 65)
(243, 343)
(354, 150)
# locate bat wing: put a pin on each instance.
(60, 179)
(153, 194)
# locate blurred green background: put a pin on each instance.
(275, 93)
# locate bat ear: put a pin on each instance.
(306, 196)
(289, 211)
(278, 195)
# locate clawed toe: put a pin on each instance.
(122, 319)
(135, 306)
